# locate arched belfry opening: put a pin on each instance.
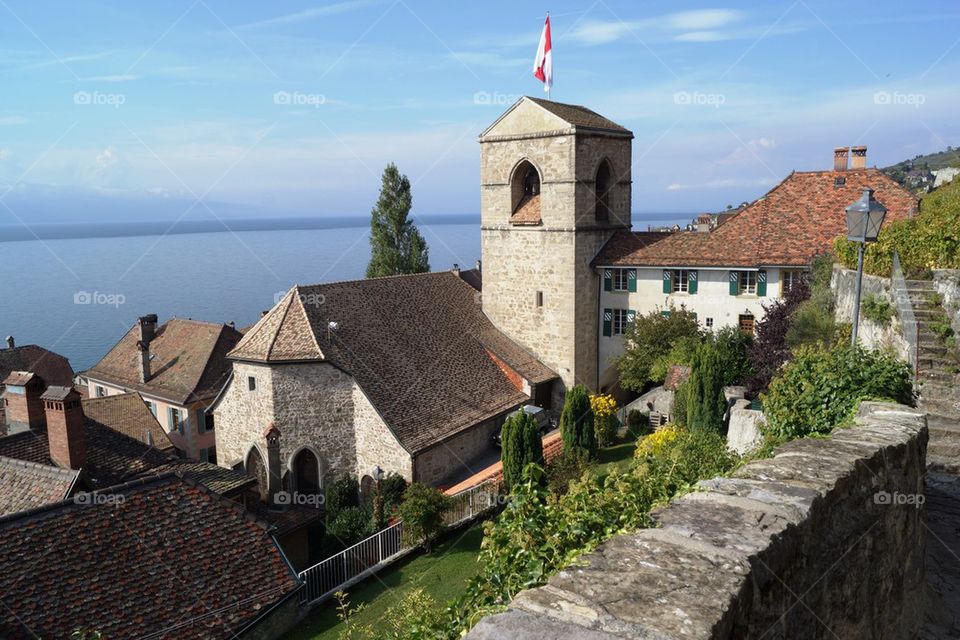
(306, 472)
(525, 188)
(257, 467)
(601, 187)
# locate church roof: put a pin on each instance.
(418, 345)
(536, 115)
(579, 116)
(793, 222)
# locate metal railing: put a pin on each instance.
(908, 320)
(368, 556)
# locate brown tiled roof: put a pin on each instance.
(112, 456)
(579, 116)
(27, 485)
(52, 367)
(215, 478)
(528, 212)
(189, 361)
(794, 221)
(676, 375)
(153, 562)
(415, 344)
(128, 414)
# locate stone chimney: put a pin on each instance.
(858, 157)
(840, 156)
(21, 399)
(65, 427)
(456, 269)
(274, 470)
(143, 361)
(148, 327)
(10, 343)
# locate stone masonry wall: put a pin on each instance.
(824, 540)
(947, 284)
(872, 335)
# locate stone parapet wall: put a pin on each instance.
(825, 540)
(947, 284)
(871, 335)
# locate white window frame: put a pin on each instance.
(747, 283)
(788, 278)
(177, 420)
(681, 281)
(621, 278)
(99, 391)
(619, 323)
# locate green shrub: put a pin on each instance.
(520, 439)
(821, 387)
(564, 469)
(706, 404)
(650, 340)
(681, 404)
(351, 525)
(732, 347)
(681, 352)
(342, 493)
(876, 309)
(392, 488)
(422, 511)
(576, 423)
(637, 422)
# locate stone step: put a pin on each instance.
(946, 362)
(948, 409)
(938, 376)
(929, 350)
(919, 284)
(941, 435)
(936, 390)
(944, 464)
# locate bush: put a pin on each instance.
(342, 493)
(649, 340)
(637, 422)
(605, 421)
(706, 404)
(564, 469)
(422, 511)
(522, 445)
(392, 488)
(350, 526)
(821, 387)
(681, 404)
(811, 326)
(876, 309)
(576, 423)
(770, 349)
(732, 347)
(681, 353)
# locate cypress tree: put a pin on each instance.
(576, 423)
(396, 246)
(706, 404)
(521, 445)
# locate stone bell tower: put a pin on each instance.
(555, 185)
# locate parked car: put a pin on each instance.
(540, 415)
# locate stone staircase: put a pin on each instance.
(938, 381)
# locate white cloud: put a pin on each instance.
(123, 77)
(701, 25)
(12, 120)
(109, 169)
(335, 8)
(701, 19)
(723, 183)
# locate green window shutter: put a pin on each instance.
(734, 283)
(761, 283)
(667, 281)
(631, 280)
(665, 313)
(692, 281)
(607, 322)
(631, 316)
(608, 280)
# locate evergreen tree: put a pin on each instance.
(520, 439)
(706, 403)
(576, 423)
(396, 245)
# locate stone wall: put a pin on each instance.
(947, 284)
(824, 540)
(456, 457)
(871, 335)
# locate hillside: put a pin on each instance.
(915, 172)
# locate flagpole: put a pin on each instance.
(548, 90)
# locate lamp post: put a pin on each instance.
(378, 514)
(864, 218)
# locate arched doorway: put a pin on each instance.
(256, 467)
(306, 472)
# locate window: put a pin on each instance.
(100, 391)
(619, 321)
(681, 281)
(152, 407)
(208, 421)
(748, 283)
(789, 278)
(209, 455)
(746, 323)
(602, 191)
(709, 323)
(251, 383)
(619, 279)
(176, 420)
(539, 298)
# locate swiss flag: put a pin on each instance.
(543, 64)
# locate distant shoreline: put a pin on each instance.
(73, 231)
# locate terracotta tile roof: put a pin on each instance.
(52, 367)
(579, 116)
(152, 562)
(528, 212)
(415, 344)
(552, 448)
(189, 361)
(128, 414)
(676, 375)
(218, 479)
(27, 485)
(112, 456)
(793, 222)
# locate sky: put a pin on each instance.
(294, 108)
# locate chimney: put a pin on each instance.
(840, 155)
(10, 343)
(65, 427)
(479, 270)
(858, 158)
(274, 471)
(143, 350)
(148, 328)
(21, 399)
(456, 269)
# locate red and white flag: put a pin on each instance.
(543, 64)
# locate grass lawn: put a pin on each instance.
(617, 455)
(443, 575)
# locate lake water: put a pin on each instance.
(79, 295)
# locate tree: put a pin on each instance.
(651, 338)
(706, 404)
(396, 246)
(342, 493)
(422, 512)
(576, 423)
(732, 346)
(521, 443)
(770, 348)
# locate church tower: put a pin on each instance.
(555, 185)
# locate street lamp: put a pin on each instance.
(864, 218)
(378, 514)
